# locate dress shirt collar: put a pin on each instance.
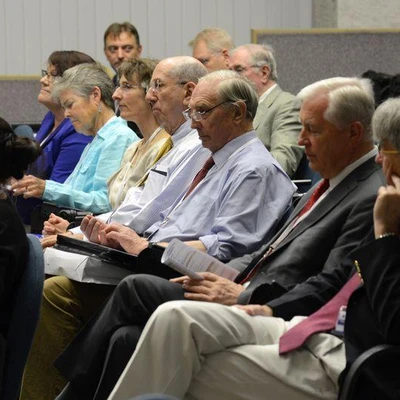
(266, 93)
(181, 132)
(350, 168)
(104, 131)
(223, 154)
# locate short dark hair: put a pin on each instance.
(116, 29)
(65, 59)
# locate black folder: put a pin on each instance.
(148, 261)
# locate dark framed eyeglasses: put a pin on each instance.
(200, 115)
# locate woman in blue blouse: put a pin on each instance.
(61, 145)
(85, 93)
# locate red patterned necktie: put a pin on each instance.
(200, 175)
(322, 320)
(318, 192)
(320, 189)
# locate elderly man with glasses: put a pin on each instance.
(277, 120)
(236, 207)
(193, 350)
(322, 229)
(239, 201)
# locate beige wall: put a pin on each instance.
(31, 29)
(356, 14)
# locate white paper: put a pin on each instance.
(188, 261)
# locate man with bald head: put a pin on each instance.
(211, 47)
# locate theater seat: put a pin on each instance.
(375, 374)
(24, 319)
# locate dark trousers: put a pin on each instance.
(97, 356)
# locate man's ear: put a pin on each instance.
(189, 87)
(240, 110)
(225, 54)
(266, 73)
(140, 48)
(356, 131)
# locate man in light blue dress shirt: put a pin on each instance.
(236, 206)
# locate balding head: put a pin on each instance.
(171, 88)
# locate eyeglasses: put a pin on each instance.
(240, 68)
(125, 86)
(200, 115)
(386, 152)
(50, 77)
(157, 85)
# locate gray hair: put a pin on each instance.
(233, 87)
(349, 100)
(260, 55)
(216, 39)
(82, 79)
(187, 69)
(386, 122)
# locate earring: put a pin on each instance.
(99, 108)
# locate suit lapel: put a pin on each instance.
(265, 105)
(348, 185)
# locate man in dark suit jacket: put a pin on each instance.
(315, 370)
(338, 142)
(277, 119)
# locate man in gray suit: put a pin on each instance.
(336, 115)
(277, 120)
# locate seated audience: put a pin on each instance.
(85, 92)
(168, 96)
(214, 215)
(193, 350)
(16, 153)
(140, 156)
(211, 47)
(326, 224)
(62, 145)
(277, 120)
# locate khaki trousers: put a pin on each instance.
(66, 306)
(196, 350)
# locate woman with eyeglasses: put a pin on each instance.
(16, 153)
(135, 76)
(85, 93)
(62, 145)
